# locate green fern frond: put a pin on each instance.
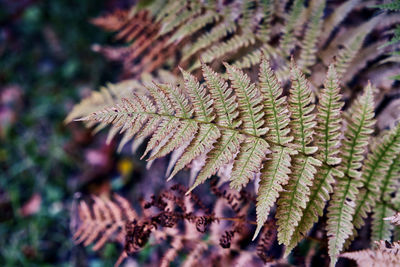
(264, 30)
(186, 129)
(309, 44)
(193, 26)
(392, 6)
(274, 176)
(301, 106)
(275, 105)
(167, 9)
(295, 195)
(276, 171)
(203, 110)
(291, 26)
(100, 99)
(254, 58)
(218, 32)
(374, 177)
(231, 45)
(327, 139)
(390, 182)
(225, 103)
(329, 119)
(360, 125)
(247, 10)
(252, 152)
(256, 128)
(227, 111)
(249, 100)
(225, 150)
(353, 45)
(175, 19)
(381, 229)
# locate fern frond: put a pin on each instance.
(276, 171)
(375, 174)
(249, 100)
(247, 10)
(225, 103)
(167, 127)
(173, 7)
(100, 224)
(252, 152)
(309, 43)
(227, 111)
(291, 26)
(386, 254)
(193, 26)
(207, 134)
(202, 102)
(231, 45)
(100, 99)
(339, 14)
(381, 229)
(295, 195)
(218, 32)
(353, 45)
(329, 119)
(301, 106)
(276, 109)
(253, 58)
(264, 30)
(225, 150)
(327, 140)
(360, 124)
(384, 216)
(174, 18)
(274, 176)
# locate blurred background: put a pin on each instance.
(46, 66)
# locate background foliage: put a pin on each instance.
(45, 63)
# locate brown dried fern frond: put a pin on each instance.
(103, 221)
(178, 219)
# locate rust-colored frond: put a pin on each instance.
(102, 221)
(177, 220)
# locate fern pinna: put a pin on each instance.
(297, 145)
